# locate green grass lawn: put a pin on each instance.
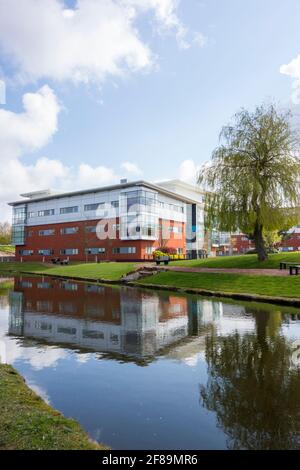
(8, 249)
(234, 283)
(106, 271)
(241, 261)
(28, 423)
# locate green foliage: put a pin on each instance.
(171, 256)
(8, 249)
(271, 239)
(253, 178)
(5, 233)
(252, 388)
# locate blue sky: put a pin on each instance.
(169, 111)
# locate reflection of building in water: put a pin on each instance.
(126, 320)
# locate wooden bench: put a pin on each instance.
(285, 264)
(295, 269)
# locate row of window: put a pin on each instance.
(123, 250)
(132, 201)
(144, 230)
(171, 207)
(73, 230)
(71, 209)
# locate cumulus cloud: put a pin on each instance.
(95, 39)
(292, 69)
(188, 171)
(31, 129)
(132, 169)
(21, 133)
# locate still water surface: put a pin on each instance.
(154, 370)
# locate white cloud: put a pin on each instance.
(132, 169)
(292, 69)
(31, 130)
(96, 39)
(188, 171)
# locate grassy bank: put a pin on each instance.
(106, 271)
(28, 423)
(242, 261)
(234, 283)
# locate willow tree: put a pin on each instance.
(253, 177)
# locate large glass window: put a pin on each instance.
(139, 214)
(140, 201)
(143, 225)
(19, 215)
(18, 235)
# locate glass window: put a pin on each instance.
(68, 230)
(124, 250)
(115, 204)
(69, 251)
(46, 252)
(91, 229)
(26, 252)
(68, 210)
(93, 207)
(93, 334)
(66, 330)
(45, 212)
(19, 215)
(94, 251)
(46, 232)
(44, 285)
(68, 286)
(18, 235)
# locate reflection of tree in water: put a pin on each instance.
(252, 388)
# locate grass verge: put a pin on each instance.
(272, 286)
(242, 261)
(28, 423)
(106, 271)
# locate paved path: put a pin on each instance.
(249, 272)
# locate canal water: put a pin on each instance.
(143, 369)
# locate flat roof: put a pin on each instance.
(154, 187)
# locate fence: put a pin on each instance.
(7, 259)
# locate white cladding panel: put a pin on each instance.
(166, 212)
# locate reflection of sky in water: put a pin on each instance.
(137, 384)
